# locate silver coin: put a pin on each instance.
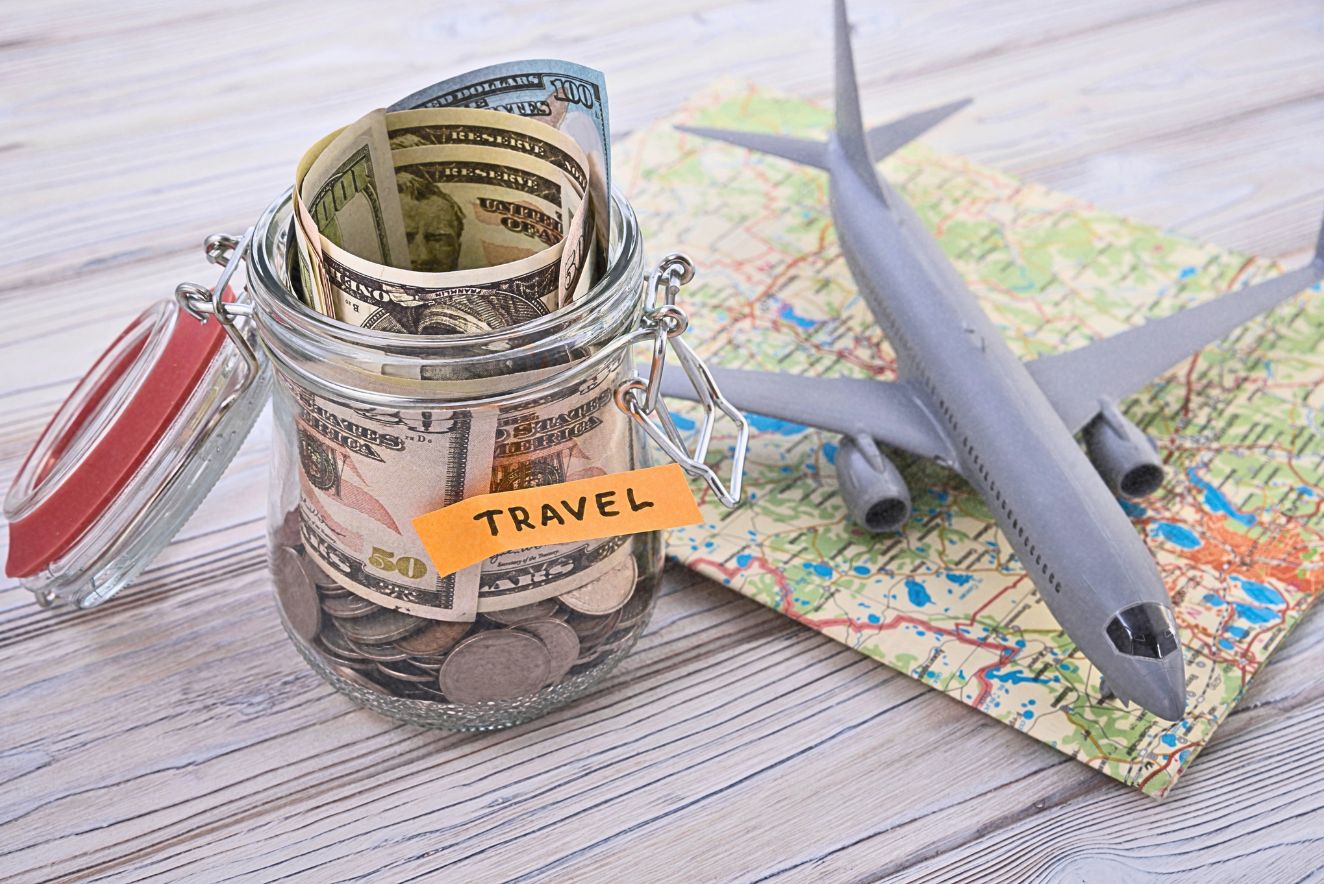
(381, 627)
(608, 593)
(561, 641)
(296, 595)
(592, 630)
(380, 653)
(516, 616)
(334, 641)
(348, 607)
(404, 674)
(324, 582)
(500, 664)
(347, 662)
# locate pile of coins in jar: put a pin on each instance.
(503, 655)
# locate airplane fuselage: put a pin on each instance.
(1068, 530)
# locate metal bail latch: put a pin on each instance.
(642, 399)
(200, 302)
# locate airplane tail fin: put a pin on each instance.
(1318, 259)
(849, 122)
(862, 148)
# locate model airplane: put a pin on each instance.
(1007, 427)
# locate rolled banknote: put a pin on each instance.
(471, 238)
(365, 473)
(565, 95)
(461, 127)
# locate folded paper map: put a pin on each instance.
(1235, 530)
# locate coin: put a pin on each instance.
(296, 595)
(606, 594)
(435, 638)
(358, 680)
(380, 653)
(592, 630)
(325, 583)
(561, 642)
(500, 664)
(335, 642)
(516, 616)
(404, 674)
(348, 607)
(287, 532)
(380, 626)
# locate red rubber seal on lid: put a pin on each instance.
(54, 525)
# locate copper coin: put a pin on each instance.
(436, 638)
(381, 627)
(296, 595)
(287, 531)
(516, 616)
(357, 680)
(561, 641)
(500, 664)
(348, 607)
(608, 593)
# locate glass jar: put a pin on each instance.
(363, 415)
(372, 429)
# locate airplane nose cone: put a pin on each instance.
(1159, 686)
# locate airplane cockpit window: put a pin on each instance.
(1144, 630)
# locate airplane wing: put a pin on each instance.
(1116, 367)
(886, 411)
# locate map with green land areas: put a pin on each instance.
(1235, 530)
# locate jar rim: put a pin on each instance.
(277, 301)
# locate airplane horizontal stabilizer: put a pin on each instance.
(886, 139)
(797, 150)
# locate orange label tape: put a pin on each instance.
(469, 531)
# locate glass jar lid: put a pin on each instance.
(136, 446)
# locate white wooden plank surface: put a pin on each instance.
(174, 734)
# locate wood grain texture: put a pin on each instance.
(175, 735)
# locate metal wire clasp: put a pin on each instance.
(200, 302)
(642, 399)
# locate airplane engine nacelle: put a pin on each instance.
(1126, 458)
(872, 487)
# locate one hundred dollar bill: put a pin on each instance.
(568, 96)
(350, 191)
(464, 127)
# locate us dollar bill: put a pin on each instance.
(350, 191)
(365, 473)
(565, 95)
(495, 218)
(463, 127)
(489, 213)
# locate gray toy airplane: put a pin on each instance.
(1007, 427)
